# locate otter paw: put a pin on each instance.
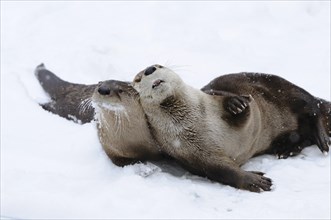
(321, 137)
(291, 152)
(237, 104)
(323, 143)
(256, 182)
(286, 155)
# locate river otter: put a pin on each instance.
(122, 128)
(195, 128)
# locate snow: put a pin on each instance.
(176, 143)
(54, 168)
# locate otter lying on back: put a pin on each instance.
(195, 129)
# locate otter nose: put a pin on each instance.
(149, 70)
(104, 90)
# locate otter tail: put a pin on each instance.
(51, 83)
(69, 100)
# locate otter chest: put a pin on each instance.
(176, 137)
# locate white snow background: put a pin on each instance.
(52, 168)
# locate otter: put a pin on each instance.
(122, 128)
(196, 129)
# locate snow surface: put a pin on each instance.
(54, 168)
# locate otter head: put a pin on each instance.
(114, 96)
(156, 83)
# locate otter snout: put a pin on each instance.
(104, 90)
(149, 70)
(109, 88)
(146, 72)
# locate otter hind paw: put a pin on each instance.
(321, 136)
(290, 152)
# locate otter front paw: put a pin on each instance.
(291, 152)
(256, 182)
(237, 104)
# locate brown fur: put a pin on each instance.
(235, 106)
(201, 133)
(312, 114)
(68, 100)
(124, 135)
(122, 127)
(189, 125)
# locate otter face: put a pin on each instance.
(156, 83)
(114, 95)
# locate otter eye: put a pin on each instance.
(137, 80)
(120, 90)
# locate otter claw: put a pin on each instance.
(256, 182)
(237, 104)
(233, 112)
